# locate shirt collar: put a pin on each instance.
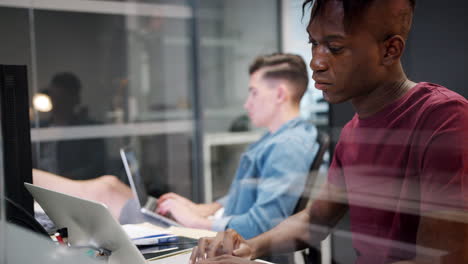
(287, 125)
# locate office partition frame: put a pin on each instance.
(195, 13)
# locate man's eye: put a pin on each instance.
(313, 42)
(335, 49)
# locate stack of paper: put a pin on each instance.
(140, 230)
(150, 229)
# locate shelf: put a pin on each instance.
(111, 130)
(104, 7)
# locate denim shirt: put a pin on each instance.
(270, 179)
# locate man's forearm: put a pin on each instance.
(56, 183)
(303, 229)
(288, 236)
(208, 209)
(202, 223)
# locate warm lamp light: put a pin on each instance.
(42, 102)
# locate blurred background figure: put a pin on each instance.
(59, 157)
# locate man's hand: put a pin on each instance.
(225, 243)
(183, 214)
(226, 259)
(178, 198)
(203, 210)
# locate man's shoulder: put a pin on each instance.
(298, 138)
(435, 94)
(434, 100)
(301, 131)
(351, 123)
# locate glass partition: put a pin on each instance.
(116, 77)
(119, 73)
(232, 34)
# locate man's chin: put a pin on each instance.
(256, 124)
(333, 99)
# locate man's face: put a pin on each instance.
(261, 101)
(63, 99)
(345, 65)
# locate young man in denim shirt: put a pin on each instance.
(272, 172)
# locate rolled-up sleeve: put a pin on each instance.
(223, 200)
(221, 224)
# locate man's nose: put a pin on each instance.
(319, 61)
(246, 104)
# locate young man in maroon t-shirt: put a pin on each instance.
(401, 165)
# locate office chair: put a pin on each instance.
(323, 140)
(313, 256)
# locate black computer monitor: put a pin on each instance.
(16, 142)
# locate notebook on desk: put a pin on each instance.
(146, 202)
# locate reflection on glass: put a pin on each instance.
(232, 33)
(59, 157)
(159, 69)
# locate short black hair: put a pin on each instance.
(285, 66)
(68, 81)
(353, 9)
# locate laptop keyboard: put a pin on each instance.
(156, 219)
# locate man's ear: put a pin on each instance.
(393, 49)
(282, 93)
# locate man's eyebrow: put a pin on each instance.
(334, 37)
(329, 37)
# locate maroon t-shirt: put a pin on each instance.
(409, 159)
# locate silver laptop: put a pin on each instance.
(146, 202)
(89, 224)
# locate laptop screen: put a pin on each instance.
(89, 225)
(133, 172)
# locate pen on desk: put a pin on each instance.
(63, 232)
(156, 239)
(59, 238)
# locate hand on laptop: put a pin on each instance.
(179, 198)
(183, 213)
(226, 247)
(203, 210)
(225, 259)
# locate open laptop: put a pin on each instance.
(146, 202)
(89, 224)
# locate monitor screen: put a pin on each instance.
(16, 146)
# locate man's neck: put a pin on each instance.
(284, 116)
(380, 97)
